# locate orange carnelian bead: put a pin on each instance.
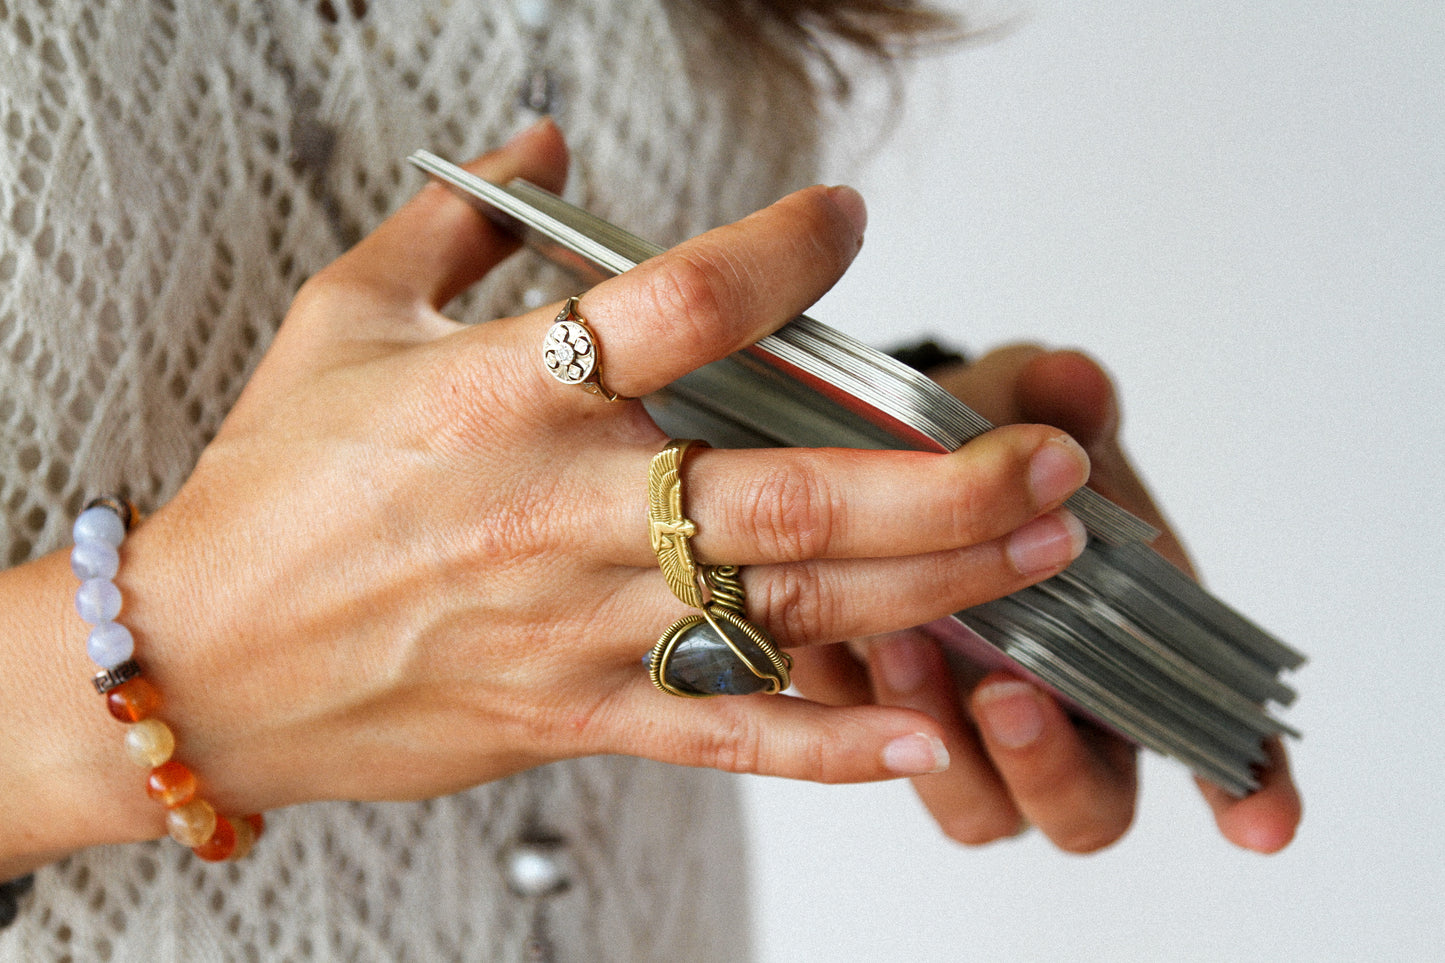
(258, 823)
(245, 838)
(192, 823)
(221, 844)
(171, 784)
(133, 700)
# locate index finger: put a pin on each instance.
(723, 290)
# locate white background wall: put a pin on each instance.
(1240, 207)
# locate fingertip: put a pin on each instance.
(1046, 544)
(1010, 713)
(915, 754)
(1070, 390)
(1267, 820)
(1266, 839)
(1077, 785)
(853, 207)
(1259, 824)
(1057, 469)
(537, 153)
(902, 662)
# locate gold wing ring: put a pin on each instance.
(718, 652)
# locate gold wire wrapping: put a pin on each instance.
(716, 590)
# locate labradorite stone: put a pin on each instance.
(701, 662)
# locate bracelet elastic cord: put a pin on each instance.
(130, 698)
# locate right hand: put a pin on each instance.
(1019, 759)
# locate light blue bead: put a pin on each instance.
(94, 559)
(99, 524)
(98, 600)
(110, 644)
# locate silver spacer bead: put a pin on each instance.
(115, 675)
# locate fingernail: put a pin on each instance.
(1048, 542)
(915, 755)
(530, 131)
(902, 662)
(1057, 469)
(851, 203)
(1011, 713)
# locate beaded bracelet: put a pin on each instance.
(190, 820)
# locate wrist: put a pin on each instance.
(132, 698)
(199, 634)
(67, 783)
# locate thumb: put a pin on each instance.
(437, 244)
(1071, 391)
(388, 289)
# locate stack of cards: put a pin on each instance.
(1122, 637)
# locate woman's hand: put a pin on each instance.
(411, 562)
(1018, 759)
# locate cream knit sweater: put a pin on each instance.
(171, 171)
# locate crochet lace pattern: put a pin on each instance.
(154, 223)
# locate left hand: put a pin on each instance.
(1018, 758)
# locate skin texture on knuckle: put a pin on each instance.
(464, 399)
(793, 511)
(736, 747)
(692, 298)
(515, 528)
(793, 251)
(746, 746)
(794, 605)
(994, 464)
(321, 288)
(970, 516)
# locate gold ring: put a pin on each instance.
(718, 652)
(571, 354)
(667, 528)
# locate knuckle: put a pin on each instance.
(339, 285)
(695, 293)
(744, 747)
(969, 517)
(737, 748)
(796, 607)
(511, 532)
(794, 513)
(517, 530)
(819, 764)
(320, 290)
